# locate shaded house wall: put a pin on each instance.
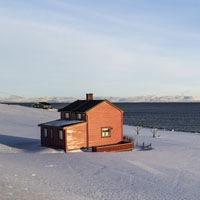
(72, 115)
(51, 138)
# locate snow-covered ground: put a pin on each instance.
(170, 171)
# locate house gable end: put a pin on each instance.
(109, 103)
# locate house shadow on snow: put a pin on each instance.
(144, 147)
(21, 143)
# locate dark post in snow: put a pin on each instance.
(137, 129)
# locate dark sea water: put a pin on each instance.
(169, 116)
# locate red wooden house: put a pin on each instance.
(83, 124)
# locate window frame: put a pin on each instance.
(61, 134)
(45, 132)
(78, 116)
(106, 130)
(51, 133)
(67, 115)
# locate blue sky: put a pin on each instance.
(108, 47)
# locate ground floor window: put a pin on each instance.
(51, 133)
(45, 132)
(78, 116)
(61, 134)
(105, 132)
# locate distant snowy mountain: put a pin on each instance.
(149, 98)
(37, 99)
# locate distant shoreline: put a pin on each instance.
(171, 116)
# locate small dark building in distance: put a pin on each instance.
(43, 105)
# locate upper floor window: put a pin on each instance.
(105, 132)
(61, 134)
(78, 116)
(66, 115)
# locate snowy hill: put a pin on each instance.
(170, 171)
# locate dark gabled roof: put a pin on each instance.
(80, 105)
(44, 103)
(72, 106)
(87, 105)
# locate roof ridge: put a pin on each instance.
(86, 104)
(85, 101)
(80, 105)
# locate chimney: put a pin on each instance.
(89, 96)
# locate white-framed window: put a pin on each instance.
(78, 116)
(45, 132)
(105, 132)
(66, 115)
(61, 135)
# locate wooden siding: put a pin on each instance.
(75, 136)
(123, 146)
(101, 116)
